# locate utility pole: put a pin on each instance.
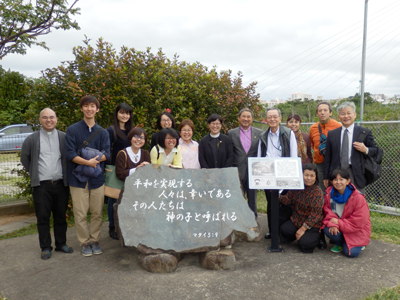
(363, 63)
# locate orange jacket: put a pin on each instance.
(314, 137)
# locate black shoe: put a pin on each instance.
(46, 254)
(65, 249)
(322, 244)
(267, 235)
(113, 234)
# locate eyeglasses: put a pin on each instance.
(215, 124)
(139, 137)
(166, 121)
(346, 114)
(48, 118)
(272, 117)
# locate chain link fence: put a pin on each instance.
(9, 162)
(383, 195)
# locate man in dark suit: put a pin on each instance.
(343, 148)
(245, 144)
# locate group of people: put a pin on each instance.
(337, 208)
(73, 163)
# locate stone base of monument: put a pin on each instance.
(243, 237)
(159, 263)
(218, 260)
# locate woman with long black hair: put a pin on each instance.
(118, 132)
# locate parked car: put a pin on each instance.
(12, 136)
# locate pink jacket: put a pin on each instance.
(355, 224)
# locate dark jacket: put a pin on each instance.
(240, 157)
(284, 139)
(225, 152)
(332, 155)
(30, 157)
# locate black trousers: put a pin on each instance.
(251, 196)
(51, 197)
(285, 211)
(307, 242)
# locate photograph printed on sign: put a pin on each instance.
(275, 173)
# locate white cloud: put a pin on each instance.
(310, 46)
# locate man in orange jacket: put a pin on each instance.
(318, 136)
(319, 131)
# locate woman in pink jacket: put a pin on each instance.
(346, 221)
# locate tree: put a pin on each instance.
(22, 21)
(15, 90)
(149, 83)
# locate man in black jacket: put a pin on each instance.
(343, 148)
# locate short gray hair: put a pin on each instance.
(273, 108)
(246, 109)
(344, 105)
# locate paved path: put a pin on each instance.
(259, 275)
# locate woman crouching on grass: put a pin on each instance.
(346, 221)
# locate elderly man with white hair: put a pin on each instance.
(343, 148)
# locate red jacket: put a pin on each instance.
(355, 224)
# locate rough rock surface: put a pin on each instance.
(179, 210)
(218, 260)
(159, 263)
(244, 237)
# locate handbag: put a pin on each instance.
(112, 185)
(371, 166)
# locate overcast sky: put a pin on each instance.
(288, 46)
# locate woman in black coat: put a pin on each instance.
(215, 149)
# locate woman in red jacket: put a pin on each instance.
(346, 221)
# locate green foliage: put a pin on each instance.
(373, 111)
(15, 91)
(22, 21)
(149, 83)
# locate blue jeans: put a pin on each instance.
(110, 211)
(340, 241)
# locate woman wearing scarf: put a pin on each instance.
(303, 139)
(346, 221)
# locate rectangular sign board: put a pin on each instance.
(275, 173)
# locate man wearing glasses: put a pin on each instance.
(277, 141)
(43, 156)
(343, 149)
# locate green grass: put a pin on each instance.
(385, 294)
(385, 228)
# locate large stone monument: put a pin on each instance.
(165, 212)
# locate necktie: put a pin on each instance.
(344, 158)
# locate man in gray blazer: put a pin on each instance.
(43, 156)
(245, 144)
